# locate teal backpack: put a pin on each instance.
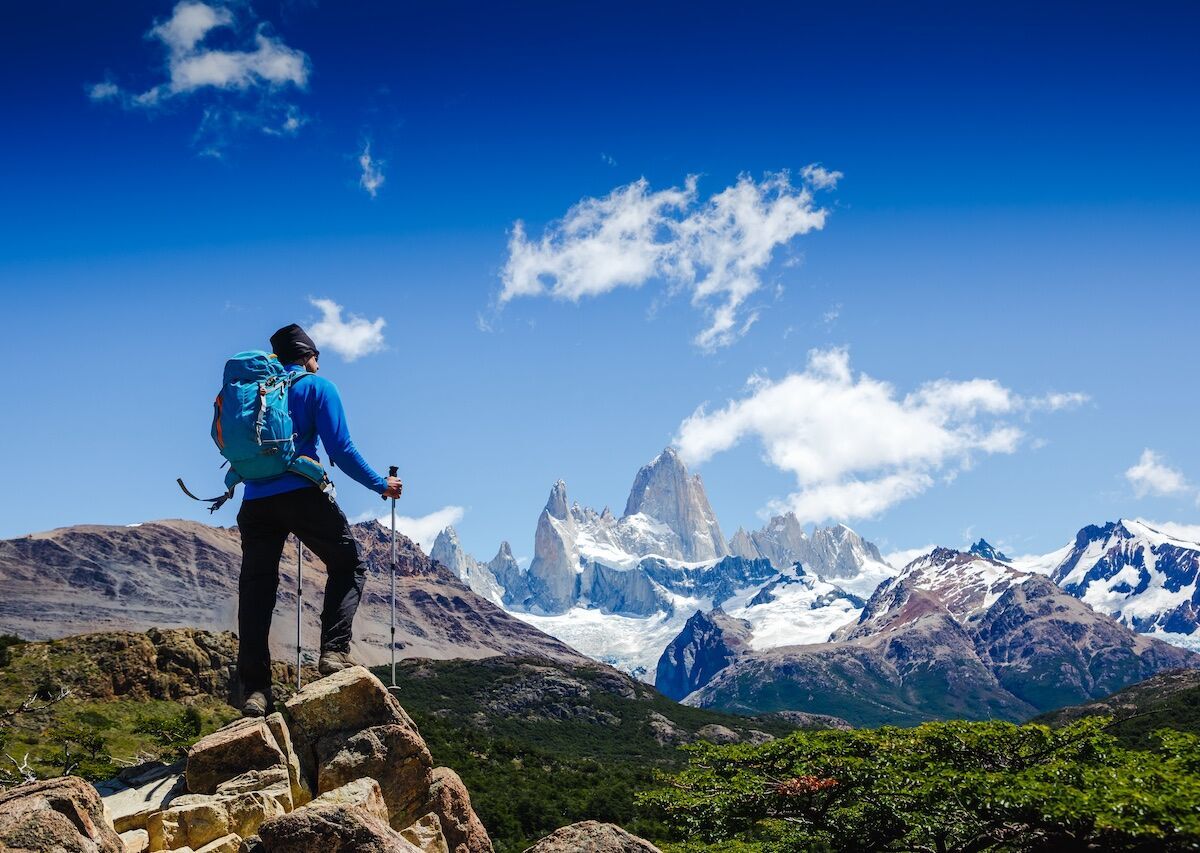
(252, 425)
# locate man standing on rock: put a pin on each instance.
(289, 503)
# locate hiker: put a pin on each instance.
(290, 503)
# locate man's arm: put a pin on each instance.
(335, 436)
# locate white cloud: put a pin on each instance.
(372, 171)
(350, 338)
(902, 557)
(263, 67)
(608, 158)
(1057, 401)
(1152, 476)
(819, 177)
(425, 528)
(715, 250)
(854, 445)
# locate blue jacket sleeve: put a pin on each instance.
(335, 436)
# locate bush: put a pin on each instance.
(7, 641)
(954, 786)
(173, 732)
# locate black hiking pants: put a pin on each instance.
(265, 523)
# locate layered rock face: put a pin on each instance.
(954, 635)
(343, 768)
(181, 573)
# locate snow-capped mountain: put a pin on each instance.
(483, 579)
(836, 554)
(955, 634)
(620, 589)
(984, 549)
(1142, 576)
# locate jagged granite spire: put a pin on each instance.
(664, 491)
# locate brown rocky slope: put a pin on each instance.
(168, 574)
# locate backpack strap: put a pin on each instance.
(214, 503)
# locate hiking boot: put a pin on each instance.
(332, 662)
(256, 704)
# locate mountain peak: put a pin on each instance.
(557, 503)
(665, 491)
(984, 549)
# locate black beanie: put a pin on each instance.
(292, 345)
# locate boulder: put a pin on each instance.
(273, 781)
(65, 815)
(718, 734)
(363, 793)
(204, 819)
(226, 844)
(135, 840)
(330, 828)
(241, 746)
(129, 804)
(301, 793)
(349, 700)
(449, 800)
(394, 755)
(591, 836)
(426, 834)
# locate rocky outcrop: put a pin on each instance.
(65, 815)
(251, 784)
(593, 837)
(449, 800)
(707, 644)
(331, 828)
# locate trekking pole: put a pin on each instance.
(392, 473)
(299, 605)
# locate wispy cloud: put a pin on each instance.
(245, 83)
(820, 178)
(1153, 476)
(352, 337)
(608, 158)
(855, 446)
(371, 178)
(902, 557)
(424, 529)
(716, 249)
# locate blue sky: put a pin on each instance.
(1018, 203)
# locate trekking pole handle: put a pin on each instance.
(392, 469)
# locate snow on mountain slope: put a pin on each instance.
(793, 609)
(619, 589)
(1137, 573)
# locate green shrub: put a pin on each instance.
(953, 786)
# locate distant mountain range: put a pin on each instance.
(953, 635)
(773, 619)
(658, 589)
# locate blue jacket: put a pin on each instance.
(317, 413)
